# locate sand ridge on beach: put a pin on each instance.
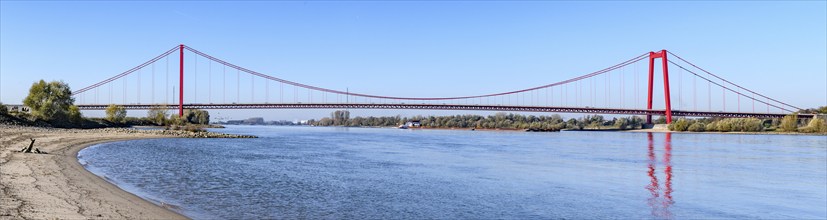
(57, 186)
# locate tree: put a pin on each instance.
(49, 101)
(189, 115)
(196, 116)
(789, 123)
(202, 117)
(75, 117)
(340, 117)
(636, 122)
(3, 109)
(819, 110)
(499, 120)
(325, 121)
(622, 123)
(157, 114)
(594, 123)
(115, 113)
(660, 120)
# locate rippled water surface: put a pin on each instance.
(313, 172)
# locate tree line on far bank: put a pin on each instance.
(158, 116)
(790, 123)
(52, 104)
(497, 121)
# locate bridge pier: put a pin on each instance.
(652, 56)
(181, 84)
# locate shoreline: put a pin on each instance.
(654, 130)
(730, 132)
(72, 161)
(56, 186)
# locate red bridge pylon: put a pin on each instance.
(652, 56)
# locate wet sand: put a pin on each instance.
(57, 186)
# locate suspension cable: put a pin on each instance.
(630, 61)
(724, 87)
(722, 79)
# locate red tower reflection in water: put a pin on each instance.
(660, 205)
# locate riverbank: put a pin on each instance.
(448, 129)
(56, 186)
(657, 129)
(471, 129)
(664, 130)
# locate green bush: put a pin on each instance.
(736, 124)
(815, 125)
(176, 120)
(157, 114)
(3, 109)
(789, 123)
(680, 125)
(697, 127)
(115, 113)
(753, 124)
(724, 126)
(75, 117)
(712, 126)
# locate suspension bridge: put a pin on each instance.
(624, 89)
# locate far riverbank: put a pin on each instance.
(657, 129)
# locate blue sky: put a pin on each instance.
(418, 48)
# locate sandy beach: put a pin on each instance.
(56, 186)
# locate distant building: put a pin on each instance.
(413, 124)
(254, 121)
(234, 122)
(260, 121)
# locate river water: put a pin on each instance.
(375, 173)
